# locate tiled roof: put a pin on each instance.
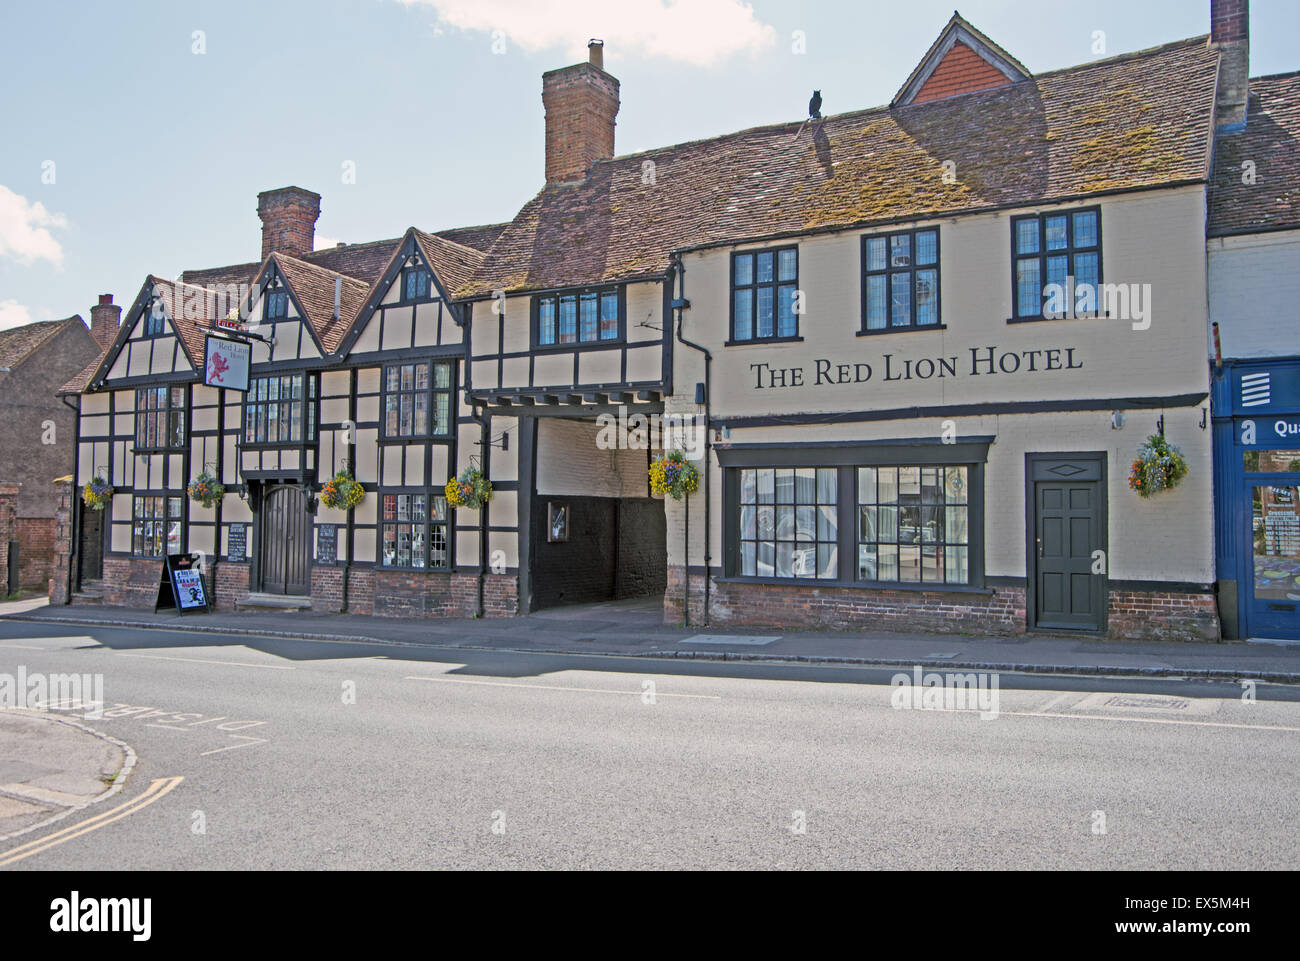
(480, 238)
(363, 262)
(1271, 141)
(1135, 121)
(19, 343)
(82, 380)
(314, 288)
(454, 264)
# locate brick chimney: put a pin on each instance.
(289, 218)
(1230, 34)
(581, 103)
(105, 317)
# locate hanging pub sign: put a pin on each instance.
(181, 586)
(227, 363)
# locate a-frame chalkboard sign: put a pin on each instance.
(181, 586)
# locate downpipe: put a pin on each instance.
(680, 304)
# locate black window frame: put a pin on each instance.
(775, 284)
(310, 416)
(275, 295)
(940, 544)
(169, 500)
(847, 459)
(578, 294)
(165, 413)
(412, 270)
(889, 272)
(428, 525)
(1069, 251)
(431, 392)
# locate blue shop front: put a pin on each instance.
(1257, 496)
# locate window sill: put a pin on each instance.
(414, 439)
(1048, 320)
(411, 570)
(859, 585)
(142, 451)
(913, 329)
(763, 341)
(579, 345)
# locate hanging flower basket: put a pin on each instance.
(673, 476)
(1159, 466)
(342, 491)
(206, 489)
(471, 490)
(97, 493)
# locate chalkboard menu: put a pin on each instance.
(327, 544)
(237, 543)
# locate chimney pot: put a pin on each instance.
(289, 217)
(596, 53)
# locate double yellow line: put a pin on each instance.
(156, 790)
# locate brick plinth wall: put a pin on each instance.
(8, 521)
(807, 607)
(1163, 617)
(132, 581)
(61, 559)
(229, 584)
(411, 594)
(1133, 615)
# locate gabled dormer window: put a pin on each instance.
(277, 304)
(416, 283)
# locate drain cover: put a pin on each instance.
(1147, 703)
(752, 640)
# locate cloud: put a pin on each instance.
(12, 313)
(325, 243)
(23, 233)
(698, 32)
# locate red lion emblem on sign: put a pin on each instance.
(218, 366)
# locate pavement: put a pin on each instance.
(52, 766)
(635, 628)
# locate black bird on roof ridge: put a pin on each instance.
(815, 106)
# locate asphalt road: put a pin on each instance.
(340, 756)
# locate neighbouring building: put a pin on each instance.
(912, 349)
(37, 439)
(1254, 277)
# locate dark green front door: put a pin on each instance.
(1068, 560)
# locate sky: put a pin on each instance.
(135, 136)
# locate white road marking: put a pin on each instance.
(204, 660)
(551, 687)
(236, 747)
(24, 647)
(1149, 720)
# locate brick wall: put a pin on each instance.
(581, 103)
(289, 217)
(8, 519)
(1229, 20)
(36, 538)
(442, 594)
(962, 70)
(229, 584)
(581, 569)
(798, 606)
(61, 561)
(1163, 617)
(132, 581)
